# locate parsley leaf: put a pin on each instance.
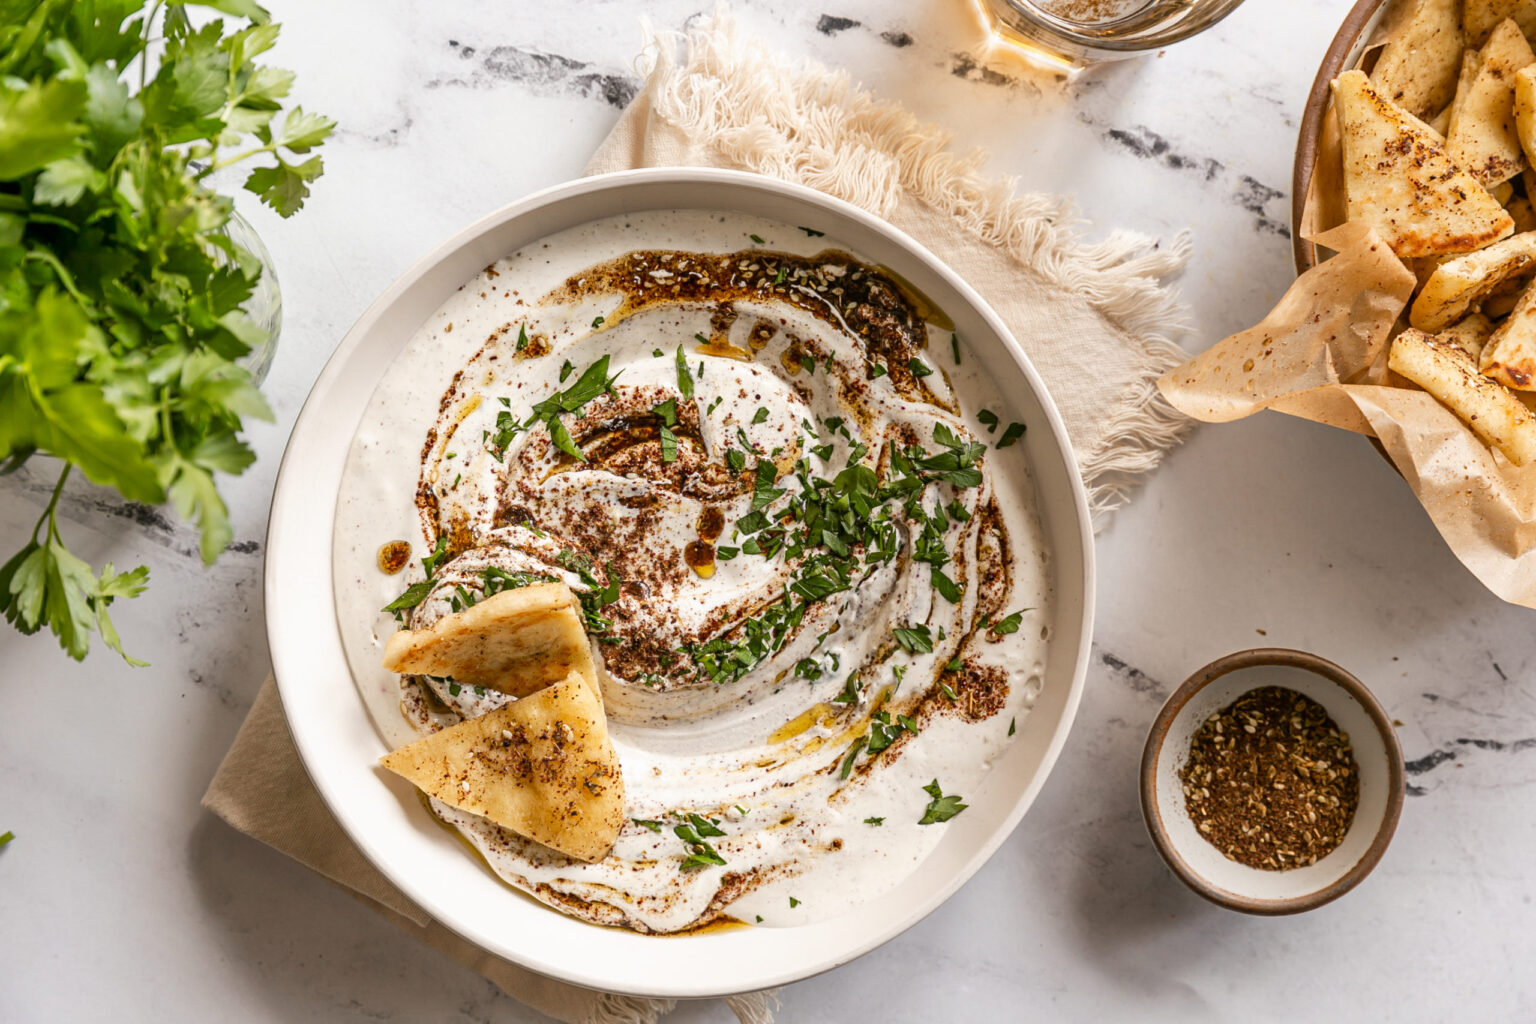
(684, 378)
(761, 416)
(668, 445)
(1012, 434)
(988, 419)
(812, 232)
(919, 368)
(944, 585)
(874, 821)
(914, 640)
(941, 808)
(1010, 624)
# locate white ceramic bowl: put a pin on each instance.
(341, 747)
(1199, 864)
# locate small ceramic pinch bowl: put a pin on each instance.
(1203, 867)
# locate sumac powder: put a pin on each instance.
(1271, 780)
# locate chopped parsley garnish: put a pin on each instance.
(954, 344)
(793, 903)
(522, 337)
(808, 364)
(417, 592)
(763, 491)
(876, 371)
(684, 378)
(1013, 724)
(941, 807)
(694, 835)
(874, 821)
(1002, 627)
(761, 416)
(756, 239)
(598, 595)
(812, 232)
(1012, 434)
(566, 370)
(667, 411)
(714, 405)
(988, 419)
(594, 381)
(948, 691)
(833, 528)
(781, 275)
(915, 639)
(882, 733)
(944, 585)
(563, 440)
(918, 367)
(654, 826)
(454, 689)
(668, 445)
(725, 554)
(597, 321)
(850, 694)
(657, 353)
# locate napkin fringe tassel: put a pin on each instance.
(813, 125)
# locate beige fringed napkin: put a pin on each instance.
(1095, 319)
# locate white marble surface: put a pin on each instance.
(120, 899)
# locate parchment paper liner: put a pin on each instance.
(1320, 355)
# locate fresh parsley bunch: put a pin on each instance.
(120, 292)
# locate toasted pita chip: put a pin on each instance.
(1418, 65)
(1469, 335)
(1457, 285)
(1522, 213)
(1480, 17)
(1525, 109)
(1400, 181)
(1439, 123)
(518, 641)
(1470, 62)
(1491, 410)
(1482, 138)
(1510, 355)
(542, 766)
(1503, 298)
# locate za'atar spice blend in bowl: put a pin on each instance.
(1271, 781)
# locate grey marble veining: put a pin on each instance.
(119, 899)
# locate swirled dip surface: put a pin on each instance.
(814, 580)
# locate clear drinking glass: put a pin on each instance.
(1076, 33)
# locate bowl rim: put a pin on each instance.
(1158, 734)
(292, 537)
(1304, 252)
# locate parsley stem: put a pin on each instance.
(53, 503)
(219, 165)
(44, 256)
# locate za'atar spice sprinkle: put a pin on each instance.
(1271, 780)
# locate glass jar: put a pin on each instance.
(1076, 33)
(265, 306)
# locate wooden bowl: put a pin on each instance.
(1343, 53)
(1199, 864)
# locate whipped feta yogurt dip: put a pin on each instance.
(805, 541)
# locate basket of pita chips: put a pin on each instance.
(1413, 320)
